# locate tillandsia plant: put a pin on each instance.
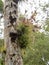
(25, 33)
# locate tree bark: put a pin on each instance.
(13, 55)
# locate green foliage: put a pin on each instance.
(1, 62)
(1, 5)
(1, 45)
(2, 51)
(47, 23)
(1, 41)
(24, 36)
(35, 52)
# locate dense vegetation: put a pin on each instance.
(37, 53)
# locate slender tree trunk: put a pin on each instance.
(13, 56)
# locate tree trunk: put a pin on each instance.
(13, 56)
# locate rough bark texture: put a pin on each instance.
(13, 56)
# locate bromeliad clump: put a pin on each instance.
(25, 33)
